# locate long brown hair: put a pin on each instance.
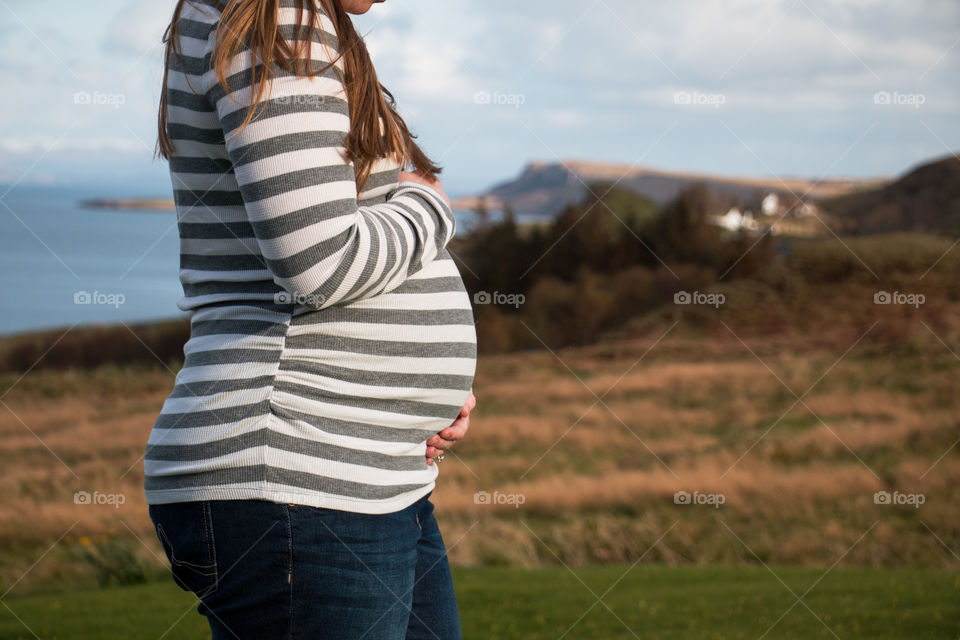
(256, 24)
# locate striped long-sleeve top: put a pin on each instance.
(331, 333)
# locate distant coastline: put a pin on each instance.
(139, 204)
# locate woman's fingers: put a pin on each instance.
(457, 430)
(440, 443)
(432, 452)
(469, 405)
(445, 439)
(448, 437)
(437, 444)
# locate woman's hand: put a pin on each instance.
(449, 436)
(433, 183)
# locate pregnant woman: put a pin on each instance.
(332, 349)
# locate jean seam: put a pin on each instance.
(289, 572)
(211, 544)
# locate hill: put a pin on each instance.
(926, 198)
(546, 188)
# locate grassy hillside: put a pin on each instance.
(926, 199)
(596, 441)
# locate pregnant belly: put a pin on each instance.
(404, 359)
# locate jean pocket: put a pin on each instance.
(185, 531)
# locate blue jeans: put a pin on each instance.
(265, 570)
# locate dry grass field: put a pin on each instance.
(580, 452)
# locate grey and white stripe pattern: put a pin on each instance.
(331, 333)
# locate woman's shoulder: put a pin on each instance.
(289, 12)
(206, 11)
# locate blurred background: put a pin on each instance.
(712, 250)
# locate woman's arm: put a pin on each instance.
(300, 193)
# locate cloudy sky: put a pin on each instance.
(761, 87)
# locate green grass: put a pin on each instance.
(649, 602)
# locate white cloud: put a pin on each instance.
(597, 83)
(40, 145)
(420, 68)
(138, 27)
(567, 117)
